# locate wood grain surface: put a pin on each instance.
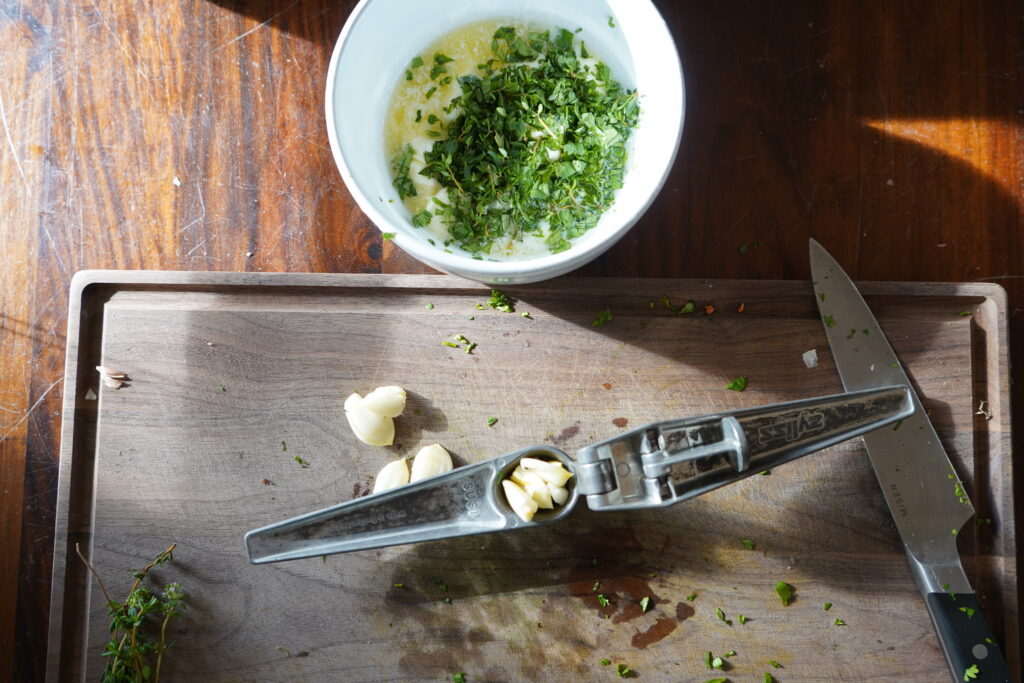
(189, 135)
(232, 376)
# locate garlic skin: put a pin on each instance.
(521, 503)
(386, 401)
(393, 475)
(430, 461)
(368, 426)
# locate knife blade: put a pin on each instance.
(925, 495)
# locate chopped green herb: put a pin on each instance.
(430, 307)
(898, 424)
(419, 115)
(821, 295)
(448, 601)
(768, 678)
(421, 219)
(223, 388)
(721, 615)
(400, 170)
(525, 314)
(852, 332)
(717, 663)
(611, 22)
(971, 672)
(387, 236)
(785, 592)
(738, 384)
(689, 307)
(605, 662)
(602, 318)
(839, 622)
(398, 585)
(968, 611)
(691, 597)
(302, 463)
(708, 657)
(431, 91)
(623, 670)
(491, 421)
(431, 119)
(470, 346)
(827, 606)
(989, 641)
(500, 301)
(829, 321)
(775, 664)
(538, 146)
(597, 584)
(602, 599)
(730, 653)
(459, 677)
(284, 446)
(742, 619)
(645, 603)
(765, 473)
(717, 680)
(747, 543)
(965, 313)
(417, 61)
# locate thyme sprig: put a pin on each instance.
(131, 654)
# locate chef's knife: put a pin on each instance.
(924, 493)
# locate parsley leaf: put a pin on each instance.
(491, 421)
(827, 606)
(738, 384)
(774, 664)
(602, 318)
(623, 670)
(971, 672)
(459, 677)
(768, 678)
(400, 170)
(501, 302)
(742, 619)
(645, 603)
(602, 599)
(785, 592)
(747, 543)
(691, 597)
(387, 236)
(839, 622)
(605, 662)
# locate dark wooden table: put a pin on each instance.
(190, 135)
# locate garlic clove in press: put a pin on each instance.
(559, 494)
(430, 461)
(368, 426)
(386, 401)
(393, 475)
(550, 471)
(521, 503)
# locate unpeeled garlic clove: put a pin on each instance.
(369, 427)
(393, 475)
(521, 503)
(386, 401)
(430, 461)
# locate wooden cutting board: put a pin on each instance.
(233, 376)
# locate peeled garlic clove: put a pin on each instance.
(534, 486)
(386, 401)
(559, 494)
(394, 474)
(519, 501)
(430, 462)
(551, 472)
(368, 426)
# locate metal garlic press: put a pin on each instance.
(659, 464)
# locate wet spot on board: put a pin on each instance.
(607, 385)
(620, 422)
(659, 631)
(566, 434)
(684, 611)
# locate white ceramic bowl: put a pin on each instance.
(374, 49)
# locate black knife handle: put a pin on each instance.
(966, 639)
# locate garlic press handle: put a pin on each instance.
(666, 462)
(465, 501)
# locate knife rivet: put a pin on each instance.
(979, 651)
